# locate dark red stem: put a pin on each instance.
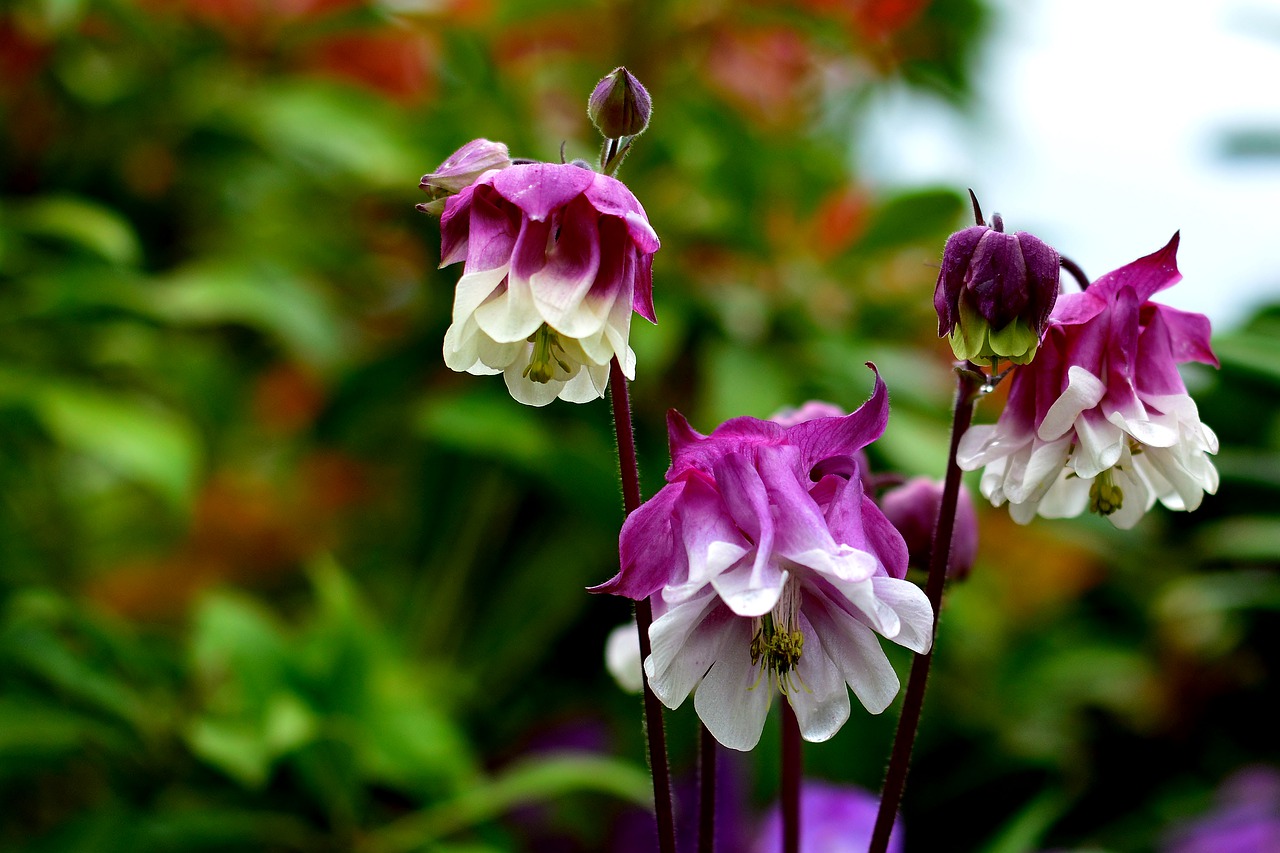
(792, 768)
(655, 734)
(895, 779)
(706, 791)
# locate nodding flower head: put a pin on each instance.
(555, 259)
(771, 570)
(1101, 420)
(994, 293)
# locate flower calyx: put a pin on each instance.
(995, 292)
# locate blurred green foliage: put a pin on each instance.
(220, 380)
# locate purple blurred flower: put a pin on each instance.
(556, 259)
(460, 171)
(772, 565)
(994, 293)
(789, 417)
(913, 509)
(1101, 420)
(833, 819)
(1247, 819)
(619, 106)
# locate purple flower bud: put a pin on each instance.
(913, 509)
(620, 105)
(994, 293)
(460, 171)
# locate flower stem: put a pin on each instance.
(706, 791)
(967, 386)
(792, 767)
(655, 734)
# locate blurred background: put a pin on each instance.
(272, 578)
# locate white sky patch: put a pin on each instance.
(1100, 128)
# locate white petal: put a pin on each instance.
(731, 701)
(748, 595)
(1084, 391)
(846, 564)
(622, 657)
(525, 390)
(1068, 497)
(853, 648)
(822, 703)
(915, 614)
(686, 640)
(512, 314)
(1099, 448)
(474, 288)
(582, 387)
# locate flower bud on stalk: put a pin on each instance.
(620, 106)
(994, 293)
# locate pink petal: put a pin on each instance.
(823, 438)
(1147, 275)
(569, 272)
(539, 188)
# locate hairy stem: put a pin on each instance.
(792, 768)
(655, 734)
(967, 385)
(706, 791)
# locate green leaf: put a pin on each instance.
(535, 780)
(911, 217)
(260, 296)
(82, 223)
(134, 438)
(330, 125)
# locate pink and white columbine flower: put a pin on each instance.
(771, 569)
(556, 257)
(1101, 419)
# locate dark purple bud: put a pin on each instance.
(913, 509)
(994, 293)
(619, 106)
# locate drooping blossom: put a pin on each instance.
(556, 258)
(1101, 420)
(913, 509)
(770, 569)
(833, 819)
(995, 292)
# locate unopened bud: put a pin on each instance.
(619, 106)
(913, 509)
(994, 294)
(460, 171)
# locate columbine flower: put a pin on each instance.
(913, 509)
(460, 171)
(1101, 420)
(770, 569)
(556, 259)
(995, 292)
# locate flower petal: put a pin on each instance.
(539, 188)
(733, 699)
